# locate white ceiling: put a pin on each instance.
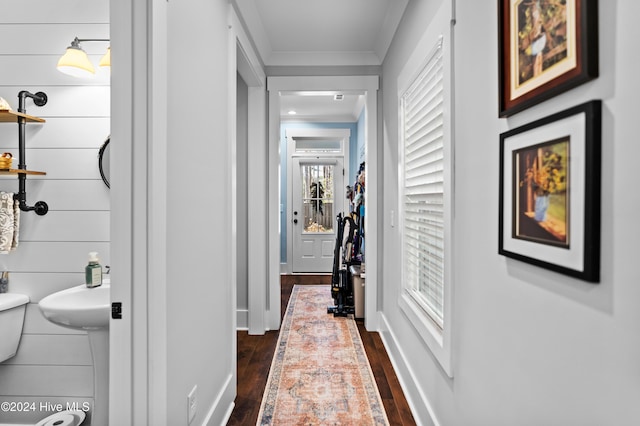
(321, 33)
(321, 106)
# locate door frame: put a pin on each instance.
(291, 135)
(368, 86)
(139, 54)
(138, 367)
(246, 62)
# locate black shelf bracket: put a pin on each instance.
(39, 99)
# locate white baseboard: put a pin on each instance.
(227, 416)
(417, 400)
(220, 411)
(242, 318)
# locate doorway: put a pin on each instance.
(279, 220)
(316, 186)
(317, 165)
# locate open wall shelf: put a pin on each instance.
(4, 172)
(9, 116)
(21, 118)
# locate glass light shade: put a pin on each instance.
(75, 62)
(106, 59)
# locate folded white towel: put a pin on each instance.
(9, 222)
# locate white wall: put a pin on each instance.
(53, 364)
(242, 191)
(531, 347)
(201, 305)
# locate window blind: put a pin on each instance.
(422, 118)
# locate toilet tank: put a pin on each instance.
(12, 309)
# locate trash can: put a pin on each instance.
(358, 290)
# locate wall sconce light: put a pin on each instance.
(75, 61)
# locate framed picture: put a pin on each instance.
(550, 192)
(546, 47)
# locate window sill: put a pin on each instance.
(437, 340)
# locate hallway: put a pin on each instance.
(515, 344)
(255, 354)
(512, 336)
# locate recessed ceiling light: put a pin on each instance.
(292, 112)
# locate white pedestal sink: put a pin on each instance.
(88, 309)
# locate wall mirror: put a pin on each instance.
(103, 161)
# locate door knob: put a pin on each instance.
(295, 213)
(295, 221)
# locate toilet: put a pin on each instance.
(62, 418)
(12, 308)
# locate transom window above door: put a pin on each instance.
(315, 145)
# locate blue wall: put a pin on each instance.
(356, 155)
(355, 141)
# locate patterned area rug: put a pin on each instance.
(320, 374)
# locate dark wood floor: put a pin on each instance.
(255, 354)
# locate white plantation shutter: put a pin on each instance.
(422, 119)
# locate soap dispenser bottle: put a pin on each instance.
(93, 271)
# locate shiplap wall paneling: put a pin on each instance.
(50, 39)
(40, 284)
(86, 132)
(53, 363)
(75, 195)
(32, 69)
(60, 349)
(62, 12)
(43, 407)
(58, 380)
(61, 164)
(65, 226)
(62, 101)
(53, 256)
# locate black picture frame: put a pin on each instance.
(539, 61)
(558, 156)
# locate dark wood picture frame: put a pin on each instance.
(525, 236)
(551, 56)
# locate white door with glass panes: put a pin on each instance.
(318, 197)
